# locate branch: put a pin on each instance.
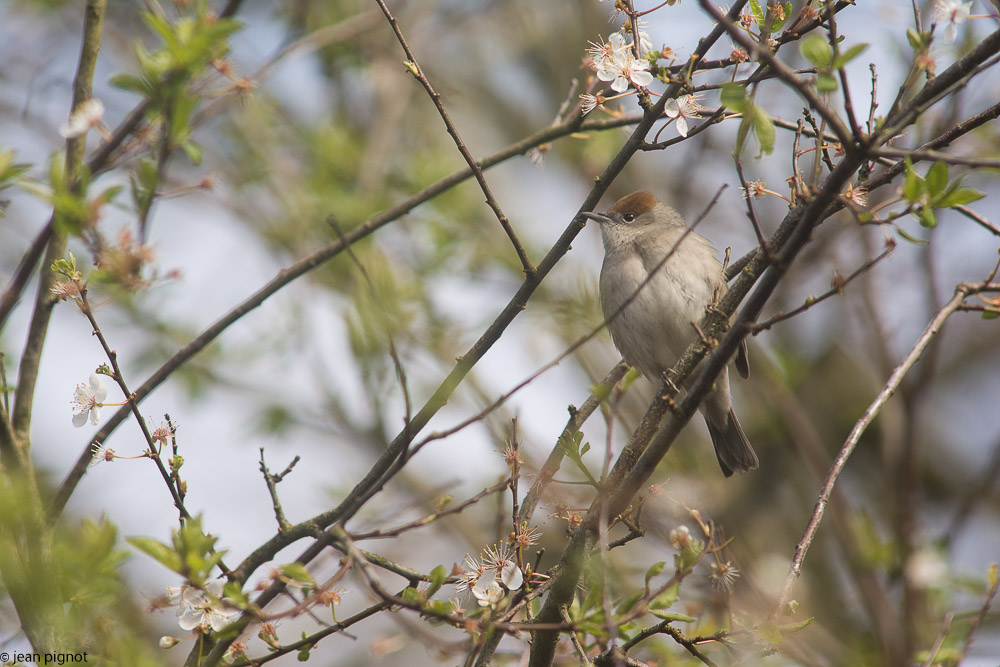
(938, 156)
(303, 266)
(961, 292)
(784, 72)
(415, 69)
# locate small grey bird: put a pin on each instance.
(657, 325)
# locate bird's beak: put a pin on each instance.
(597, 217)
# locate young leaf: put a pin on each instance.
(438, 575)
(734, 97)
(131, 83)
(672, 616)
(816, 50)
(763, 127)
(769, 632)
(654, 570)
(959, 197)
(927, 217)
(849, 55)
(741, 133)
(158, 551)
(297, 572)
(826, 83)
(910, 237)
(792, 628)
(913, 186)
(936, 179)
(667, 597)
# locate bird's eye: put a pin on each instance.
(628, 217)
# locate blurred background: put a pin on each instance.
(335, 127)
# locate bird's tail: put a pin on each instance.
(732, 447)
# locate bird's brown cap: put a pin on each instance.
(637, 203)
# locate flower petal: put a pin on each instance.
(682, 126)
(100, 391)
(641, 78)
(482, 587)
(511, 576)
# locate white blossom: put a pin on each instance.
(88, 401)
(681, 109)
(84, 117)
(951, 13)
(615, 61)
(196, 610)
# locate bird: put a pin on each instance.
(657, 322)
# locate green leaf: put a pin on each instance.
(571, 445)
(959, 197)
(194, 152)
(411, 595)
(667, 597)
(927, 217)
(157, 550)
(234, 592)
(132, 83)
(769, 632)
(742, 133)
(909, 237)
(654, 570)
(758, 12)
(936, 179)
(763, 128)
(914, 185)
(672, 616)
(849, 55)
(297, 572)
(826, 83)
(816, 50)
(628, 603)
(438, 576)
(793, 628)
(990, 315)
(734, 96)
(9, 170)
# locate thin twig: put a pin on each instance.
(838, 288)
(831, 21)
(272, 480)
(961, 292)
(414, 68)
(430, 518)
(981, 616)
(938, 156)
(784, 72)
(761, 243)
(939, 640)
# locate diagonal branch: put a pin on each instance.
(415, 69)
(303, 266)
(961, 292)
